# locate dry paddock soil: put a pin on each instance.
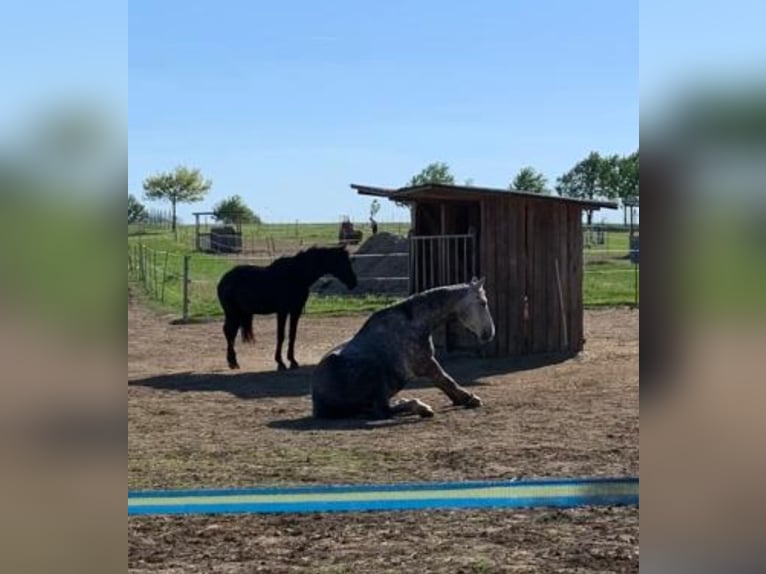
(192, 423)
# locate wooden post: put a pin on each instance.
(414, 262)
(561, 305)
(156, 272)
(141, 262)
(185, 310)
(164, 277)
(432, 256)
(442, 244)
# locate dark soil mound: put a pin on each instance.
(381, 264)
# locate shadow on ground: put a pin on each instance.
(309, 423)
(468, 371)
(258, 385)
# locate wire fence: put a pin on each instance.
(162, 274)
(186, 283)
(153, 221)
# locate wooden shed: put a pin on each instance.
(528, 246)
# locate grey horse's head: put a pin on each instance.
(473, 311)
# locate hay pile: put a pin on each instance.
(379, 259)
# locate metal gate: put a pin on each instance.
(437, 260)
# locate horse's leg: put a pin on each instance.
(294, 317)
(281, 318)
(431, 369)
(411, 406)
(230, 327)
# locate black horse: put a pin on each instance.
(281, 288)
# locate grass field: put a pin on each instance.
(609, 278)
(286, 237)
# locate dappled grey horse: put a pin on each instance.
(394, 346)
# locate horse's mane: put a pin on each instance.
(434, 297)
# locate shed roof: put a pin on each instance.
(440, 191)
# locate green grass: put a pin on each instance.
(304, 234)
(482, 565)
(611, 284)
(609, 278)
(204, 272)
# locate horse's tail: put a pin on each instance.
(246, 327)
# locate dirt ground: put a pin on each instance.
(192, 423)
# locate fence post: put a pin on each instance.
(154, 274)
(185, 315)
(141, 262)
(164, 277)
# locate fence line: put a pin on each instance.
(159, 272)
(187, 283)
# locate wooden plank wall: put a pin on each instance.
(574, 315)
(488, 242)
(523, 337)
(565, 336)
(552, 316)
(514, 217)
(520, 242)
(503, 263)
(556, 335)
(537, 271)
(576, 257)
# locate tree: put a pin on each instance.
(627, 180)
(437, 172)
(529, 179)
(628, 177)
(136, 210)
(183, 185)
(233, 210)
(591, 178)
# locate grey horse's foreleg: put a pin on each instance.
(459, 396)
(411, 406)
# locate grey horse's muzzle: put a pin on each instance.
(487, 335)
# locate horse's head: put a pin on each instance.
(473, 311)
(339, 265)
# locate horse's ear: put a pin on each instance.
(478, 282)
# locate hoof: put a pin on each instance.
(426, 413)
(472, 402)
(294, 365)
(281, 367)
(233, 366)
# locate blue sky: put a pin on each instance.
(286, 103)
(62, 55)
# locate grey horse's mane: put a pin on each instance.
(431, 299)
